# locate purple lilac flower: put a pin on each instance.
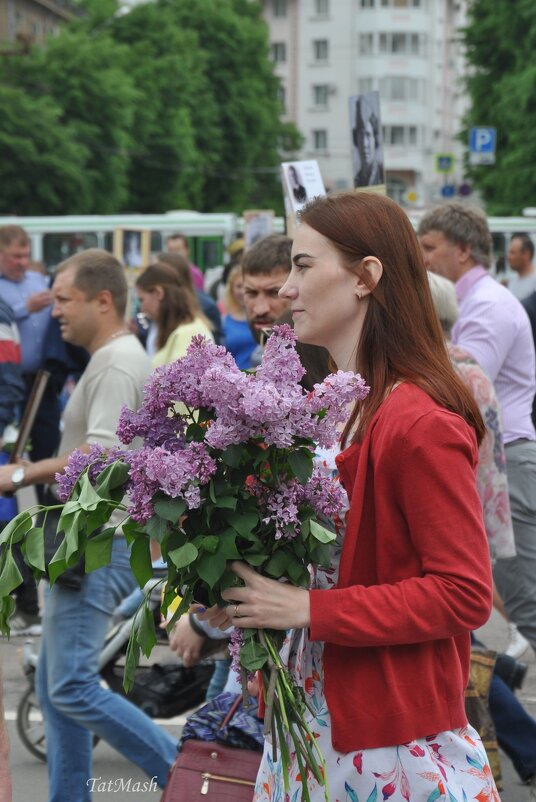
(236, 642)
(325, 495)
(96, 460)
(280, 363)
(282, 505)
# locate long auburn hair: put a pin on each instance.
(401, 338)
(176, 307)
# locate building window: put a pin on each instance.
(320, 49)
(320, 139)
(407, 43)
(281, 95)
(279, 8)
(400, 135)
(397, 87)
(367, 3)
(400, 3)
(320, 94)
(279, 52)
(366, 43)
(365, 85)
(322, 8)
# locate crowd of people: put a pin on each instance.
(438, 462)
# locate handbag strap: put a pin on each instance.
(234, 707)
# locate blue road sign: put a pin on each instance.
(448, 190)
(482, 142)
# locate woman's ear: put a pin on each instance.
(159, 292)
(371, 271)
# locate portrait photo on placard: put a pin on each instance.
(258, 223)
(302, 182)
(367, 147)
(132, 246)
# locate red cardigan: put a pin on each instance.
(414, 578)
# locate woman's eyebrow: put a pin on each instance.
(299, 256)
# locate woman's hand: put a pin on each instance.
(261, 604)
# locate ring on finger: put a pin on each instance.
(237, 614)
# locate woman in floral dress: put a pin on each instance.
(381, 642)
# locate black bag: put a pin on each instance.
(73, 577)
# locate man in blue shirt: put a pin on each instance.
(28, 295)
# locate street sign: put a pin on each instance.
(482, 142)
(444, 162)
(448, 190)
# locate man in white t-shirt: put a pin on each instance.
(90, 294)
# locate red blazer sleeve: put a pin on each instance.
(428, 496)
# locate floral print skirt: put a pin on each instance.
(446, 767)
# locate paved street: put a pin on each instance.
(29, 773)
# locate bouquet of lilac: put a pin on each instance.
(225, 471)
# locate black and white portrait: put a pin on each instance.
(367, 151)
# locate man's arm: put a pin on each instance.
(36, 473)
(486, 336)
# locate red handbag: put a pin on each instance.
(206, 771)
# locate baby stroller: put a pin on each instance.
(161, 690)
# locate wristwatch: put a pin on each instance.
(17, 477)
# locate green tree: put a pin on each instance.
(42, 162)
(171, 105)
(218, 129)
(500, 39)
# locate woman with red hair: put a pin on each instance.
(381, 641)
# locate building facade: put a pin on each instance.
(409, 50)
(29, 21)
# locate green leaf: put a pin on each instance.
(131, 662)
(301, 464)
(210, 543)
(112, 477)
(7, 608)
(253, 655)
(277, 564)
(10, 576)
(321, 533)
(184, 555)
(232, 456)
(226, 502)
(146, 633)
(131, 530)
(140, 560)
(99, 550)
(16, 528)
(243, 522)
(254, 559)
(212, 492)
(88, 498)
(210, 567)
(156, 528)
(34, 549)
(170, 509)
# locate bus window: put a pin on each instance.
(499, 252)
(57, 247)
(208, 252)
(156, 242)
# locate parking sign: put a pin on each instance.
(482, 142)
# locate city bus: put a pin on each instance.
(56, 238)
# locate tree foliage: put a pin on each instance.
(172, 105)
(500, 39)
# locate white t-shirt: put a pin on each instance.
(522, 286)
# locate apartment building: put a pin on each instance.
(409, 50)
(29, 21)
